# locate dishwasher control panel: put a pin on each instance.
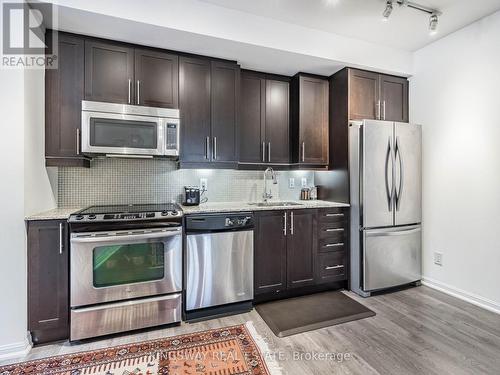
(219, 222)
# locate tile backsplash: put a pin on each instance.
(119, 181)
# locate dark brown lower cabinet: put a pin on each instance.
(48, 280)
(270, 252)
(300, 251)
(301, 248)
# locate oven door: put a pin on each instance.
(122, 134)
(112, 266)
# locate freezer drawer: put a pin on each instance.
(391, 257)
(219, 268)
(116, 317)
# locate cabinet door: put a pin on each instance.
(252, 119)
(48, 281)
(363, 95)
(64, 92)
(277, 122)
(301, 248)
(156, 79)
(394, 98)
(313, 120)
(109, 72)
(270, 252)
(225, 92)
(194, 104)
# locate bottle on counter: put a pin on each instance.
(305, 194)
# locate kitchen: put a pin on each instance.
(181, 185)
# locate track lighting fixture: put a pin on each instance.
(387, 11)
(433, 18)
(433, 24)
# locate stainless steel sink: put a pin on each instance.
(274, 204)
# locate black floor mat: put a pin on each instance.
(295, 315)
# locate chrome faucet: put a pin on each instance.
(268, 194)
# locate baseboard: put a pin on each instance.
(463, 295)
(15, 350)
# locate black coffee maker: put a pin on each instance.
(191, 196)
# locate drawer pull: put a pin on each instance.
(334, 215)
(334, 267)
(334, 244)
(334, 230)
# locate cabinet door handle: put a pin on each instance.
(383, 109)
(334, 267)
(334, 215)
(263, 152)
(334, 244)
(291, 223)
(215, 148)
(78, 141)
(284, 226)
(334, 230)
(138, 91)
(303, 151)
(269, 152)
(207, 147)
(60, 238)
(129, 91)
(377, 110)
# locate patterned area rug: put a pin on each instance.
(224, 351)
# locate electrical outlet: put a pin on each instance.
(203, 184)
(438, 258)
(291, 182)
(304, 182)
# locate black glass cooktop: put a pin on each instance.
(132, 208)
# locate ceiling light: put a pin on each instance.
(387, 11)
(433, 24)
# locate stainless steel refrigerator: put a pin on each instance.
(385, 174)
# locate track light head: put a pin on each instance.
(387, 10)
(433, 24)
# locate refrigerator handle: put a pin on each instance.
(389, 185)
(401, 174)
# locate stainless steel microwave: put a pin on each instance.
(127, 130)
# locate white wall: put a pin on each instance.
(24, 189)
(454, 94)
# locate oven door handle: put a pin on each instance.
(125, 236)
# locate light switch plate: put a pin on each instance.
(291, 182)
(304, 182)
(438, 258)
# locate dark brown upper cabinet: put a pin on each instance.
(109, 72)
(264, 125)
(48, 281)
(357, 95)
(309, 120)
(64, 91)
(194, 103)
(156, 79)
(118, 73)
(209, 104)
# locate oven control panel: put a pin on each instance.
(129, 216)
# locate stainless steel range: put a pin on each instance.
(125, 268)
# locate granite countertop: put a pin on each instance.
(54, 214)
(211, 207)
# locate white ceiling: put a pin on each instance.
(407, 29)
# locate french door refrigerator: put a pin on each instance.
(385, 194)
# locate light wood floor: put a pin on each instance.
(415, 331)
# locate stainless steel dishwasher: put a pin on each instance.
(219, 264)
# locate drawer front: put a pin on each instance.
(125, 316)
(332, 244)
(332, 266)
(332, 230)
(332, 215)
